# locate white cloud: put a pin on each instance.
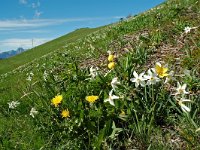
(16, 24)
(34, 26)
(23, 1)
(24, 31)
(33, 31)
(35, 5)
(25, 43)
(36, 23)
(37, 13)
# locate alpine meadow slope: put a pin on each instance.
(134, 84)
(39, 51)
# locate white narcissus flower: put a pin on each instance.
(33, 112)
(187, 29)
(139, 79)
(151, 77)
(114, 83)
(45, 74)
(111, 98)
(181, 89)
(13, 104)
(29, 78)
(183, 106)
(93, 72)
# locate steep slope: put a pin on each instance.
(9, 64)
(62, 101)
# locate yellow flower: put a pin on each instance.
(91, 98)
(122, 113)
(110, 58)
(65, 113)
(111, 65)
(57, 100)
(160, 70)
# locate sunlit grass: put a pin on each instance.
(113, 89)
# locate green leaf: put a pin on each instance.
(102, 134)
(115, 131)
(198, 130)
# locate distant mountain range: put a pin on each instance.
(10, 53)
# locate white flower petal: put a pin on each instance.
(187, 29)
(115, 97)
(179, 86)
(110, 93)
(106, 100)
(149, 72)
(133, 79)
(154, 70)
(184, 86)
(136, 84)
(109, 52)
(111, 98)
(135, 74)
(13, 104)
(185, 108)
(181, 89)
(142, 83)
(33, 112)
(114, 83)
(141, 75)
(159, 64)
(185, 100)
(111, 102)
(147, 77)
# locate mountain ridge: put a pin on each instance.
(10, 53)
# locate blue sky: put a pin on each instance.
(24, 21)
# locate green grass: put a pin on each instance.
(149, 117)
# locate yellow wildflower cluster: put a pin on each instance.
(111, 64)
(57, 100)
(65, 113)
(161, 70)
(111, 58)
(92, 98)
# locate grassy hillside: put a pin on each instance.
(145, 93)
(39, 51)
